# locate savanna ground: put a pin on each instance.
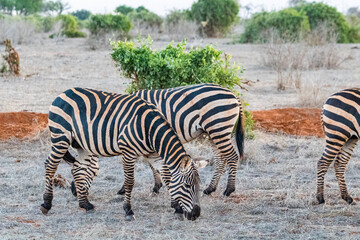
(276, 184)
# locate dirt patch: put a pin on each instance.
(21, 124)
(293, 121)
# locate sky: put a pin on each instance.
(162, 7)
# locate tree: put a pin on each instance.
(123, 9)
(81, 14)
(26, 7)
(216, 16)
(7, 6)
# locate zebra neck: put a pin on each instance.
(165, 142)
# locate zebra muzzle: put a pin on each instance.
(194, 214)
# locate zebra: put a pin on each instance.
(98, 123)
(341, 124)
(196, 109)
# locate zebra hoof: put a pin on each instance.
(156, 188)
(88, 207)
(130, 218)
(44, 210)
(179, 216)
(320, 199)
(73, 189)
(121, 191)
(209, 190)
(228, 191)
(349, 200)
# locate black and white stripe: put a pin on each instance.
(341, 122)
(105, 124)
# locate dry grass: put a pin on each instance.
(274, 198)
(181, 30)
(275, 187)
(18, 31)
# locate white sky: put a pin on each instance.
(162, 7)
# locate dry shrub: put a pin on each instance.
(289, 58)
(101, 41)
(12, 59)
(309, 92)
(143, 29)
(181, 30)
(18, 31)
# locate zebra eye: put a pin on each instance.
(187, 185)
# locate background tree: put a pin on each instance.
(7, 6)
(82, 14)
(123, 9)
(26, 7)
(216, 16)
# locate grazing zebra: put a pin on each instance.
(203, 108)
(341, 122)
(105, 124)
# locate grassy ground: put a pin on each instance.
(274, 197)
(275, 187)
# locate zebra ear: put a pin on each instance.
(201, 163)
(186, 162)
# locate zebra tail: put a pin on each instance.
(69, 158)
(240, 134)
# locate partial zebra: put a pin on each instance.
(98, 123)
(204, 108)
(341, 122)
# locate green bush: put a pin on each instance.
(287, 23)
(320, 13)
(70, 27)
(105, 23)
(175, 16)
(216, 15)
(81, 14)
(123, 9)
(354, 28)
(48, 23)
(173, 66)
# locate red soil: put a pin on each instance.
(21, 124)
(293, 121)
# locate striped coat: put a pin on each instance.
(341, 122)
(105, 124)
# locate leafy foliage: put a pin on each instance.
(82, 14)
(287, 23)
(104, 23)
(216, 15)
(175, 16)
(319, 13)
(70, 26)
(173, 66)
(123, 9)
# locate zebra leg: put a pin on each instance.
(129, 167)
(60, 145)
(157, 177)
(340, 167)
(219, 171)
(329, 154)
(84, 170)
(232, 163)
(91, 173)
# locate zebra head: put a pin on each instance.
(185, 186)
